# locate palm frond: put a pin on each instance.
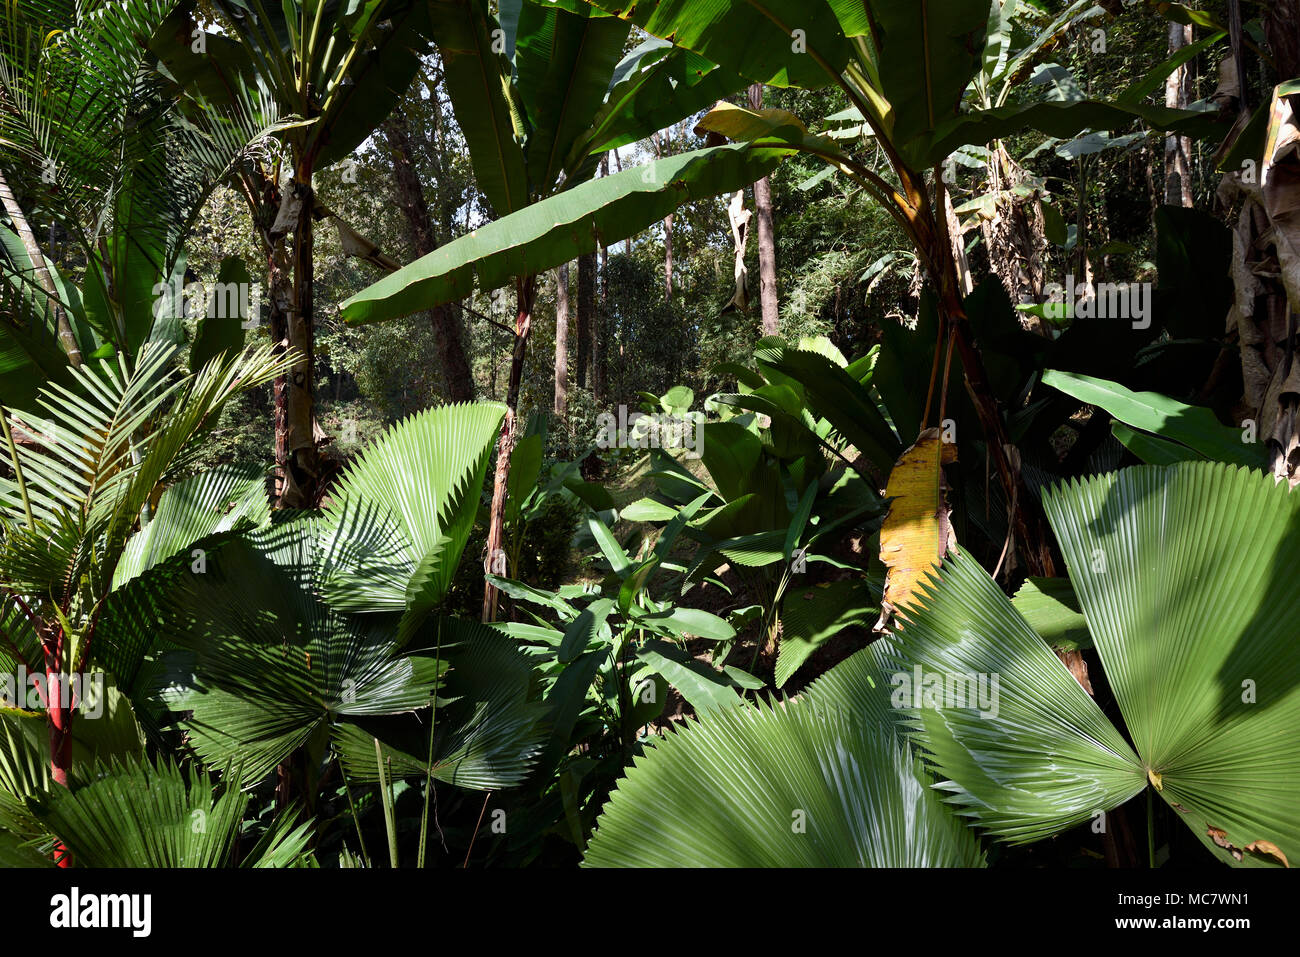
(1185, 577)
(779, 784)
(399, 520)
(136, 814)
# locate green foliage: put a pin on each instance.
(1183, 672)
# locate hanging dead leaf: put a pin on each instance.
(1268, 847)
(1220, 837)
(917, 533)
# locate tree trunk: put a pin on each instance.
(1178, 149)
(600, 317)
(445, 319)
(495, 560)
(766, 238)
(562, 341)
(24, 230)
(302, 461)
(668, 235)
(586, 316)
(668, 257)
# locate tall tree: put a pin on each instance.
(541, 94)
(600, 318)
(586, 319)
(766, 237)
(668, 232)
(445, 317)
(562, 341)
(1178, 149)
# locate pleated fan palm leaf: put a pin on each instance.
(266, 667)
(780, 784)
(402, 513)
(135, 814)
(487, 731)
(1186, 578)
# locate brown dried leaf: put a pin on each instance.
(1268, 847)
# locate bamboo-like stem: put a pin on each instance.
(18, 469)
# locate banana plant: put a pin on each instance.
(542, 91)
(871, 52)
(1181, 573)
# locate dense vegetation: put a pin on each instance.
(869, 444)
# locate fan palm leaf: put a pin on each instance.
(136, 814)
(1185, 577)
(789, 784)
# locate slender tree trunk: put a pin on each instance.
(562, 341)
(586, 317)
(600, 317)
(302, 464)
(60, 711)
(668, 234)
(1178, 149)
(766, 238)
(24, 230)
(495, 560)
(445, 319)
(668, 256)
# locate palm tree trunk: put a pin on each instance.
(586, 316)
(66, 337)
(495, 560)
(766, 238)
(302, 463)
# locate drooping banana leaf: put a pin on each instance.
(563, 62)
(559, 229)
(484, 99)
(797, 43)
